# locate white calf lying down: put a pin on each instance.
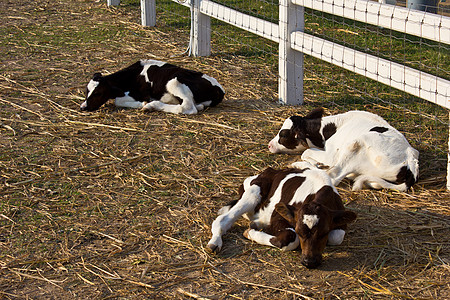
(357, 144)
(288, 208)
(154, 85)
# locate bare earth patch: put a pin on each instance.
(119, 203)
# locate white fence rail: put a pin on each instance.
(293, 43)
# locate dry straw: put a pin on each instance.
(119, 203)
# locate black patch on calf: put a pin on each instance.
(281, 229)
(313, 132)
(406, 176)
(329, 198)
(309, 128)
(328, 130)
(201, 88)
(97, 76)
(379, 129)
(316, 113)
(288, 139)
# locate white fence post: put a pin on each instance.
(113, 2)
(290, 64)
(200, 31)
(148, 13)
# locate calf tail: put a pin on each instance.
(412, 170)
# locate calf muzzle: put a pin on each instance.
(311, 262)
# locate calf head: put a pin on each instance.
(98, 91)
(313, 222)
(293, 135)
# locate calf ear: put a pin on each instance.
(97, 76)
(316, 113)
(342, 217)
(286, 211)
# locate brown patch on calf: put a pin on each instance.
(378, 160)
(355, 147)
(283, 238)
(270, 179)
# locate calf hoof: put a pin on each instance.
(253, 225)
(213, 248)
(357, 186)
(147, 106)
(322, 166)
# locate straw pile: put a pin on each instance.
(118, 203)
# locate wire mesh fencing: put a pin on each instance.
(334, 85)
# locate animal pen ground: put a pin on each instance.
(119, 203)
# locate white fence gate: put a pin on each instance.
(293, 43)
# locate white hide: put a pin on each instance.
(228, 216)
(91, 87)
(310, 220)
(128, 102)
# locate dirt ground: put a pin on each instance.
(117, 204)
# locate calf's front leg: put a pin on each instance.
(285, 239)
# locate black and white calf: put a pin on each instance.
(154, 85)
(357, 144)
(288, 208)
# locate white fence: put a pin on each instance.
(293, 42)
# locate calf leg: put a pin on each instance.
(335, 237)
(285, 239)
(177, 89)
(128, 102)
(318, 157)
(376, 183)
(339, 161)
(246, 204)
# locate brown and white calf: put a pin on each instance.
(357, 144)
(288, 208)
(154, 85)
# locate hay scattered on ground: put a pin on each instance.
(118, 203)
